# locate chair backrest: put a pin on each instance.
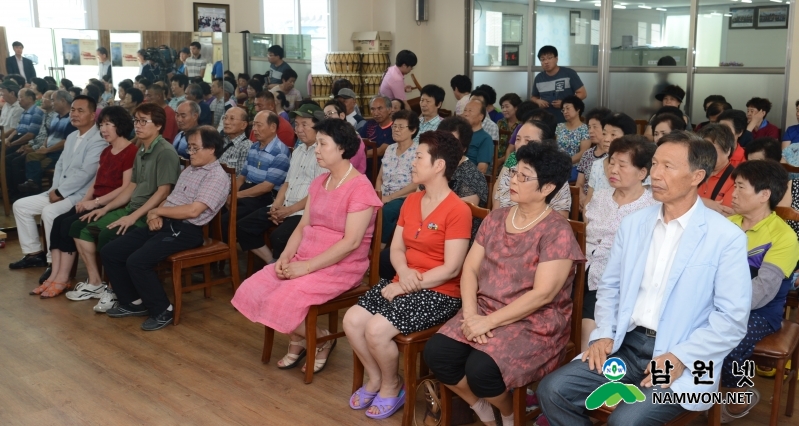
(444, 113)
(574, 212)
(578, 287)
(374, 258)
(787, 213)
(503, 132)
(789, 168)
(368, 144)
(495, 163)
(3, 174)
(641, 125)
(478, 212)
(215, 226)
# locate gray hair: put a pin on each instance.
(195, 90)
(63, 95)
(194, 107)
(385, 99)
(701, 153)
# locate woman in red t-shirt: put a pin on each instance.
(113, 175)
(427, 251)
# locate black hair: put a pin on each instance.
(156, 113)
(550, 164)
(267, 95)
(195, 91)
(145, 82)
(762, 175)
(490, 93)
(28, 93)
(675, 122)
(401, 103)
(276, 50)
(52, 86)
(715, 109)
(737, 117)
(667, 61)
(341, 83)
(40, 83)
(342, 133)
(20, 80)
(701, 153)
(287, 74)
(622, 121)
(458, 124)
(181, 79)
(136, 95)
(195, 44)
(513, 98)
(480, 93)
(410, 117)
(98, 84)
(547, 132)
(337, 104)
(209, 137)
(406, 57)
(599, 114)
(720, 135)
(435, 92)
(525, 108)
(640, 148)
(546, 50)
(92, 102)
(17, 44)
(761, 104)
(93, 92)
(542, 116)
(443, 146)
(49, 80)
(102, 50)
(119, 117)
(771, 148)
(256, 84)
(125, 85)
(67, 83)
(243, 76)
(713, 98)
(575, 102)
(206, 88)
(461, 82)
(75, 90)
(280, 98)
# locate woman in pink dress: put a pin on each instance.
(326, 255)
(516, 292)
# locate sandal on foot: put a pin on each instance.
(320, 364)
(387, 406)
(727, 417)
(41, 288)
(365, 398)
(292, 360)
(54, 290)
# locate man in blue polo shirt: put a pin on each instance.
(30, 123)
(266, 168)
(555, 83)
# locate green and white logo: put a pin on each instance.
(613, 392)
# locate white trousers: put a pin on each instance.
(25, 210)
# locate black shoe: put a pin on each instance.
(46, 274)
(28, 187)
(30, 261)
(158, 322)
(122, 310)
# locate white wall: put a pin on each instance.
(792, 91)
(172, 15)
(757, 48)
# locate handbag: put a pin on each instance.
(427, 412)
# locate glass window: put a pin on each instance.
(38, 44)
(572, 27)
(124, 63)
(314, 21)
(648, 34)
(280, 17)
(16, 14)
(742, 34)
(76, 52)
(501, 31)
(62, 14)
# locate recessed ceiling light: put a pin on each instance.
(660, 9)
(641, 6)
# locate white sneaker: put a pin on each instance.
(107, 301)
(86, 291)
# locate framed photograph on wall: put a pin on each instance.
(742, 17)
(769, 17)
(211, 17)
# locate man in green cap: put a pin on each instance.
(286, 210)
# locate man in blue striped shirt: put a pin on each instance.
(265, 170)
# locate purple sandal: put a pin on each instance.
(387, 406)
(365, 398)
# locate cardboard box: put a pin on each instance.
(371, 41)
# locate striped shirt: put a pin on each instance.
(218, 109)
(208, 184)
(30, 121)
(41, 138)
(267, 164)
(304, 169)
(60, 128)
(235, 156)
(195, 66)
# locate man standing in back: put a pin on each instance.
(16, 64)
(555, 83)
(195, 65)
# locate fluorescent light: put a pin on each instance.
(746, 1)
(640, 6)
(597, 4)
(572, 0)
(548, 1)
(619, 7)
(624, 4)
(777, 1)
(660, 9)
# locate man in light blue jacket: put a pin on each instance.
(74, 173)
(676, 289)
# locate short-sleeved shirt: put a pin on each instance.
(738, 156)
(303, 170)
(41, 137)
(277, 72)
(209, 184)
(424, 238)
(155, 166)
(495, 115)
(218, 110)
(427, 125)
(30, 121)
(468, 181)
(60, 128)
(569, 140)
(10, 115)
(175, 102)
(504, 139)
(562, 201)
(397, 168)
(491, 128)
(170, 129)
(285, 132)
(791, 134)
(235, 155)
(181, 144)
(293, 96)
(195, 66)
(206, 116)
(481, 149)
(725, 194)
(598, 180)
(112, 166)
(393, 84)
(267, 164)
(461, 104)
(586, 164)
(550, 88)
(380, 135)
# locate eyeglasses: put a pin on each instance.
(137, 122)
(192, 150)
(331, 114)
(399, 127)
(519, 176)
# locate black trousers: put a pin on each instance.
(250, 231)
(245, 207)
(387, 270)
(59, 233)
(451, 361)
(130, 261)
(15, 167)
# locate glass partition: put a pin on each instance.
(770, 86)
(124, 62)
(297, 50)
(76, 51)
(746, 34)
(502, 82)
(501, 30)
(633, 93)
(38, 44)
(572, 27)
(650, 34)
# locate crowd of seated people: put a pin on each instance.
(670, 210)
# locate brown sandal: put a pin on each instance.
(54, 290)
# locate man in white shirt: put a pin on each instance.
(675, 297)
(12, 111)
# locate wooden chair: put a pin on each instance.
(331, 308)
(788, 213)
(253, 259)
(574, 212)
(3, 183)
(495, 166)
(520, 414)
(412, 347)
(368, 144)
(444, 113)
(774, 351)
(213, 250)
(790, 169)
(641, 125)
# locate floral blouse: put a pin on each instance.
(604, 217)
(569, 140)
(397, 169)
(503, 138)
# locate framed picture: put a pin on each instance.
(769, 17)
(211, 17)
(574, 22)
(742, 17)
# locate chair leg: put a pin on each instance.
(357, 372)
(310, 343)
(207, 278)
(332, 322)
(234, 269)
(519, 406)
(250, 263)
(714, 415)
(424, 370)
(446, 404)
(792, 384)
(269, 339)
(177, 284)
(775, 398)
(410, 355)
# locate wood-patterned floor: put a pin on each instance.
(63, 364)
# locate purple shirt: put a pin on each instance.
(393, 84)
